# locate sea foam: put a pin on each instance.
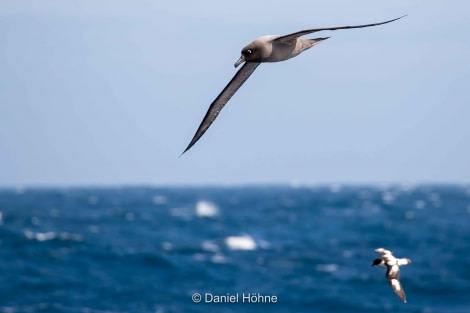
(206, 209)
(244, 242)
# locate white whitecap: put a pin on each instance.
(420, 204)
(329, 268)
(167, 246)
(206, 209)
(70, 237)
(387, 197)
(218, 258)
(159, 199)
(295, 183)
(40, 236)
(244, 242)
(45, 236)
(210, 246)
(264, 244)
(407, 188)
(184, 213)
(29, 234)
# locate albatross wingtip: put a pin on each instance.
(187, 148)
(401, 17)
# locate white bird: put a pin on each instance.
(392, 264)
(272, 48)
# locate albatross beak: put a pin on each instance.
(240, 61)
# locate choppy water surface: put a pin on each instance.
(242, 249)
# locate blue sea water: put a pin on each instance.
(287, 248)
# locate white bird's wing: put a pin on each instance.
(393, 277)
(383, 251)
(403, 261)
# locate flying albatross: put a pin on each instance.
(271, 48)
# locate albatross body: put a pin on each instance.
(271, 48)
(392, 264)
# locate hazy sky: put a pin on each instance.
(111, 92)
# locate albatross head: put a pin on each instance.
(250, 53)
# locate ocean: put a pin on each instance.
(292, 248)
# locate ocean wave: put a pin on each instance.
(244, 242)
(206, 209)
(328, 268)
(50, 235)
(210, 246)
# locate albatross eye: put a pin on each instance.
(248, 51)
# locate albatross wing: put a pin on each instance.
(313, 30)
(237, 81)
